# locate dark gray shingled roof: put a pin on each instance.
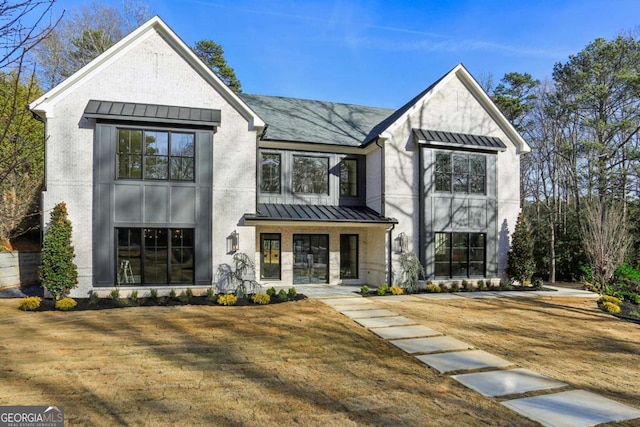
(152, 113)
(451, 139)
(280, 212)
(303, 120)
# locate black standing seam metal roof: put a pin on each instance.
(152, 113)
(459, 139)
(303, 213)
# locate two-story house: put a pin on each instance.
(167, 173)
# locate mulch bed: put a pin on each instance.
(629, 312)
(109, 303)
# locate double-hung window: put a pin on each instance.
(155, 155)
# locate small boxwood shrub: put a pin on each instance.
(227, 299)
(396, 290)
(610, 307)
(292, 292)
(172, 294)
(30, 303)
(271, 291)
(382, 289)
(66, 304)
(467, 286)
(432, 288)
(261, 299)
(364, 290)
(282, 295)
(455, 287)
(480, 285)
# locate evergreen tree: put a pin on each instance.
(521, 265)
(212, 54)
(58, 273)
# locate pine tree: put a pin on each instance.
(520, 265)
(58, 273)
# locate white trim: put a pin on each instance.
(470, 83)
(43, 106)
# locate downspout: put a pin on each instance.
(389, 260)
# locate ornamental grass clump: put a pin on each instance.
(396, 290)
(227, 299)
(30, 303)
(58, 273)
(432, 288)
(261, 299)
(610, 307)
(66, 304)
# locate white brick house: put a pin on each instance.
(166, 173)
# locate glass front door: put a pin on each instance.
(310, 258)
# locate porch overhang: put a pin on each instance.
(315, 215)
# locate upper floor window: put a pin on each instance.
(270, 171)
(310, 175)
(349, 177)
(158, 155)
(460, 173)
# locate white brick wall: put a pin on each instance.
(149, 72)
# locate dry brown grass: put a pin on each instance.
(568, 339)
(287, 364)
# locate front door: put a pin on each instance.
(310, 258)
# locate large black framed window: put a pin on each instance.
(460, 255)
(270, 173)
(348, 256)
(270, 256)
(349, 178)
(155, 155)
(460, 173)
(147, 256)
(310, 175)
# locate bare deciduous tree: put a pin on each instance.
(606, 237)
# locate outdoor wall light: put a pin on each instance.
(401, 243)
(233, 242)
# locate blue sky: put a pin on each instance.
(382, 53)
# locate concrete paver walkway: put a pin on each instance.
(446, 354)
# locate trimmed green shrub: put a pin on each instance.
(625, 271)
(153, 294)
(537, 283)
(431, 288)
(455, 287)
(396, 290)
(211, 295)
(467, 286)
(272, 291)
(66, 304)
(382, 289)
(30, 303)
(189, 294)
(291, 293)
(364, 290)
(227, 299)
(282, 295)
(58, 273)
(115, 294)
(261, 299)
(172, 294)
(480, 285)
